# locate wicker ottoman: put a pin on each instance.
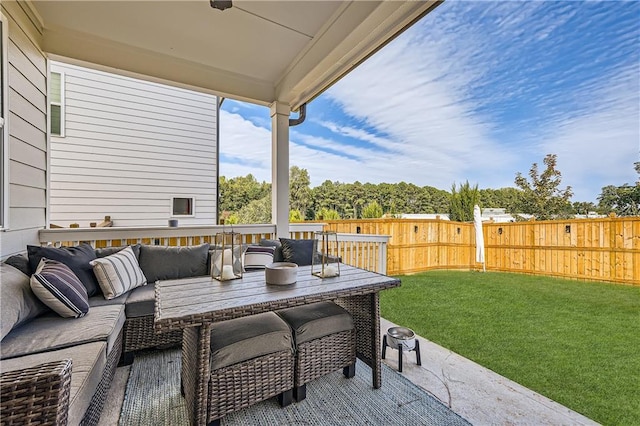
(251, 360)
(324, 334)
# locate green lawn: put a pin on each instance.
(575, 342)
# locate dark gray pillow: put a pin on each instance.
(170, 263)
(277, 255)
(20, 262)
(76, 258)
(108, 251)
(297, 251)
(18, 304)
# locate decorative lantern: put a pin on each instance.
(325, 261)
(226, 260)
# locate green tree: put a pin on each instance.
(623, 200)
(237, 192)
(327, 214)
(462, 202)
(583, 207)
(373, 210)
(231, 219)
(541, 197)
(295, 216)
(299, 190)
(257, 211)
(505, 198)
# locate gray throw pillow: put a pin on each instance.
(18, 304)
(277, 254)
(76, 258)
(20, 262)
(297, 251)
(170, 263)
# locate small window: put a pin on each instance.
(56, 103)
(182, 206)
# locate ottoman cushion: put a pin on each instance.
(310, 322)
(249, 337)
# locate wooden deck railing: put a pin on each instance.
(363, 251)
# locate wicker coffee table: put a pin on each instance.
(193, 304)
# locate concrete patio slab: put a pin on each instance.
(478, 394)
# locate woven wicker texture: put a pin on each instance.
(38, 395)
(242, 385)
(153, 398)
(323, 356)
(140, 334)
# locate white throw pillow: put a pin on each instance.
(257, 257)
(118, 273)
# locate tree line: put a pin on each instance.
(245, 200)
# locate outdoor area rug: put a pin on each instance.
(153, 397)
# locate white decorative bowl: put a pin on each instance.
(281, 273)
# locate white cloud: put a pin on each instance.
(598, 147)
(246, 147)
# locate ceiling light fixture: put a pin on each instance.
(220, 4)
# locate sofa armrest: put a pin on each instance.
(37, 394)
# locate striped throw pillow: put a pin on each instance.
(56, 285)
(118, 273)
(257, 257)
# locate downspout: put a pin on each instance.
(302, 114)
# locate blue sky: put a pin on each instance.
(475, 91)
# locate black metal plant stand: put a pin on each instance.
(400, 348)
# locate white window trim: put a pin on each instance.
(4, 191)
(193, 206)
(61, 104)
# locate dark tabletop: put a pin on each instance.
(190, 302)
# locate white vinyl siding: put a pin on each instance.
(130, 147)
(25, 151)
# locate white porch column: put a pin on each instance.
(280, 168)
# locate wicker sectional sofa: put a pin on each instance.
(57, 370)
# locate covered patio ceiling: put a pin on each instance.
(256, 51)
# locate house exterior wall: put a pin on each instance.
(27, 130)
(129, 147)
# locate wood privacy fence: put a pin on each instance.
(603, 249)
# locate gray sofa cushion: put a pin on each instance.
(88, 364)
(20, 262)
(17, 302)
(76, 258)
(168, 263)
(50, 332)
(242, 339)
(99, 300)
(310, 322)
(141, 301)
(108, 251)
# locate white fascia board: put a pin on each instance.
(358, 31)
